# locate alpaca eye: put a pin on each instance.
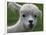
(35, 16)
(23, 15)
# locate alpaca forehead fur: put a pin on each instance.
(30, 9)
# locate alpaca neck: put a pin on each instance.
(18, 27)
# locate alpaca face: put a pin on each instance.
(29, 14)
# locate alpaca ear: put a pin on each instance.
(14, 5)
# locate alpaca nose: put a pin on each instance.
(31, 25)
(30, 21)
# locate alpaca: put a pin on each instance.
(28, 18)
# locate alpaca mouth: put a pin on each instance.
(31, 25)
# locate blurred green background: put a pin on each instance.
(13, 16)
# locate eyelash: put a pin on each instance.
(23, 15)
(35, 16)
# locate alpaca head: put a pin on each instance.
(29, 14)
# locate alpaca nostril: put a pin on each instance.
(30, 21)
(31, 25)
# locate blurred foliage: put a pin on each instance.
(12, 16)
